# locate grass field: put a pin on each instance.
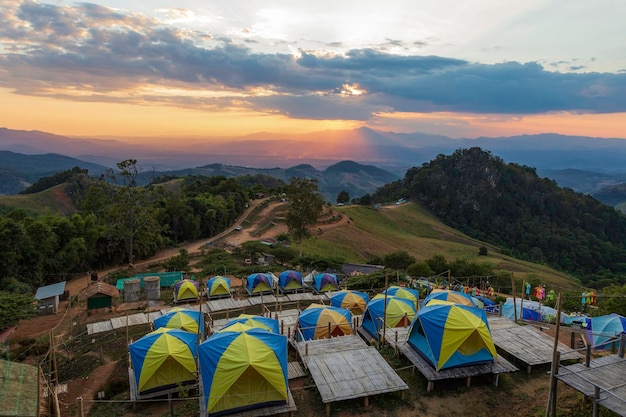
(378, 232)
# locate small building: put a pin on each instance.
(48, 297)
(99, 295)
(266, 259)
(357, 269)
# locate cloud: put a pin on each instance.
(91, 52)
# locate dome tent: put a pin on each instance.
(451, 335)
(163, 359)
(259, 283)
(325, 282)
(186, 290)
(355, 301)
(290, 281)
(317, 320)
(218, 287)
(403, 292)
(604, 330)
(181, 318)
(242, 370)
(260, 322)
(400, 313)
(455, 297)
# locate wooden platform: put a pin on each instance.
(608, 373)
(225, 304)
(395, 336)
(345, 367)
(495, 368)
(295, 370)
(499, 322)
(530, 345)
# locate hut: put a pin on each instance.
(48, 297)
(99, 295)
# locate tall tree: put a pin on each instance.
(343, 197)
(305, 207)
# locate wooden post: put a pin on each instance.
(385, 308)
(622, 342)
(596, 398)
(551, 407)
(169, 400)
(79, 406)
(588, 356)
(572, 340)
(514, 302)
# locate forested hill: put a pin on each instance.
(510, 206)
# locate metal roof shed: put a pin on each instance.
(48, 297)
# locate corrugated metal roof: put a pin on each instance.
(49, 291)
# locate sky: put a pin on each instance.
(229, 68)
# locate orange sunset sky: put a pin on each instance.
(110, 69)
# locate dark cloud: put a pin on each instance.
(49, 50)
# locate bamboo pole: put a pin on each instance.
(385, 308)
(514, 302)
(551, 407)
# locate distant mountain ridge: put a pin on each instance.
(585, 164)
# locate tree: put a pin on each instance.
(343, 197)
(305, 208)
(613, 300)
(399, 260)
(126, 210)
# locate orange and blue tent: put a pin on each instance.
(355, 301)
(403, 292)
(258, 283)
(266, 323)
(218, 286)
(290, 280)
(451, 335)
(317, 320)
(186, 289)
(242, 370)
(181, 318)
(400, 313)
(325, 282)
(164, 359)
(603, 330)
(455, 297)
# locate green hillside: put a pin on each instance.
(378, 232)
(54, 200)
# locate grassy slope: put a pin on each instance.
(51, 201)
(412, 229)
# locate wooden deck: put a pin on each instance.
(608, 373)
(395, 336)
(273, 410)
(499, 322)
(345, 367)
(530, 345)
(225, 304)
(495, 368)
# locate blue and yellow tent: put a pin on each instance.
(290, 280)
(523, 313)
(218, 286)
(259, 283)
(400, 313)
(455, 297)
(181, 318)
(325, 282)
(355, 301)
(451, 335)
(185, 290)
(403, 292)
(242, 370)
(164, 359)
(266, 323)
(315, 321)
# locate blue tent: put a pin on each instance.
(403, 292)
(259, 283)
(400, 313)
(317, 319)
(290, 280)
(242, 369)
(266, 323)
(528, 313)
(164, 359)
(452, 335)
(604, 329)
(325, 282)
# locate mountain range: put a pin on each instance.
(585, 164)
